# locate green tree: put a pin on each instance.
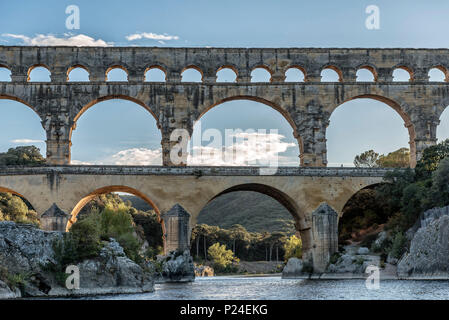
(439, 193)
(293, 248)
(222, 258)
(431, 158)
(26, 155)
(367, 159)
(396, 159)
(14, 208)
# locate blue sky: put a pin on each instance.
(122, 132)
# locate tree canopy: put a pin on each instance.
(24, 155)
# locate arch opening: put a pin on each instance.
(103, 204)
(358, 137)
(438, 74)
(226, 74)
(331, 74)
(260, 74)
(192, 74)
(78, 73)
(155, 74)
(295, 74)
(119, 130)
(117, 73)
(39, 73)
(402, 74)
(364, 215)
(21, 131)
(262, 135)
(247, 224)
(15, 207)
(5, 74)
(366, 74)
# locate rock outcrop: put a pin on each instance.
(428, 256)
(25, 251)
(204, 271)
(294, 268)
(177, 266)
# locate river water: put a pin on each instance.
(275, 288)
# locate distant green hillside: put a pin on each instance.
(255, 211)
(136, 202)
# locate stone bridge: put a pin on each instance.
(174, 104)
(300, 190)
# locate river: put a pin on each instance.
(275, 288)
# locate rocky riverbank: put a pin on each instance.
(26, 252)
(428, 256)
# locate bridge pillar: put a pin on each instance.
(324, 235)
(177, 229)
(176, 131)
(54, 219)
(57, 127)
(425, 131)
(312, 124)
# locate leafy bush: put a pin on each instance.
(293, 248)
(222, 258)
(399, 245)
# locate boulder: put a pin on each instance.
(293, 268)
(204, 271)
(178, 267)
(428, 255)
(363, 250)
(25, 250)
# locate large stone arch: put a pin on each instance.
(298, 213)
(95, 101)
(14, 98)
(285, 114)
(396, 107)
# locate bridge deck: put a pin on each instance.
(193, 170)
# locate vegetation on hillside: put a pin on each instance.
(26, 155)
(14, 208)
(254, 211)
(371, 159)
(247, 246)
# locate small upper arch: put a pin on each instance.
(366, 72)
(5, 73)
(120, 75)
(438, 73)
(261, 73)
(398, 73)
(44, 77)
(331, 73)
(80, 67)
(227, 73)
(155, 73)
(295, 73)
(192, 73)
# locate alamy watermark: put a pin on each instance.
(373, 280)
(372, 22)
(73, 280)
(73, 20)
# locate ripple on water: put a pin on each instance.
(275, 288)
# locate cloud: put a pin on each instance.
(249, 149)
(138, 156)
(152, 36)
(78, 162)
(26, 141)
(80, 40)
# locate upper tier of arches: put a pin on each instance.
(382, 63)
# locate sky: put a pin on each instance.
(121, 132)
